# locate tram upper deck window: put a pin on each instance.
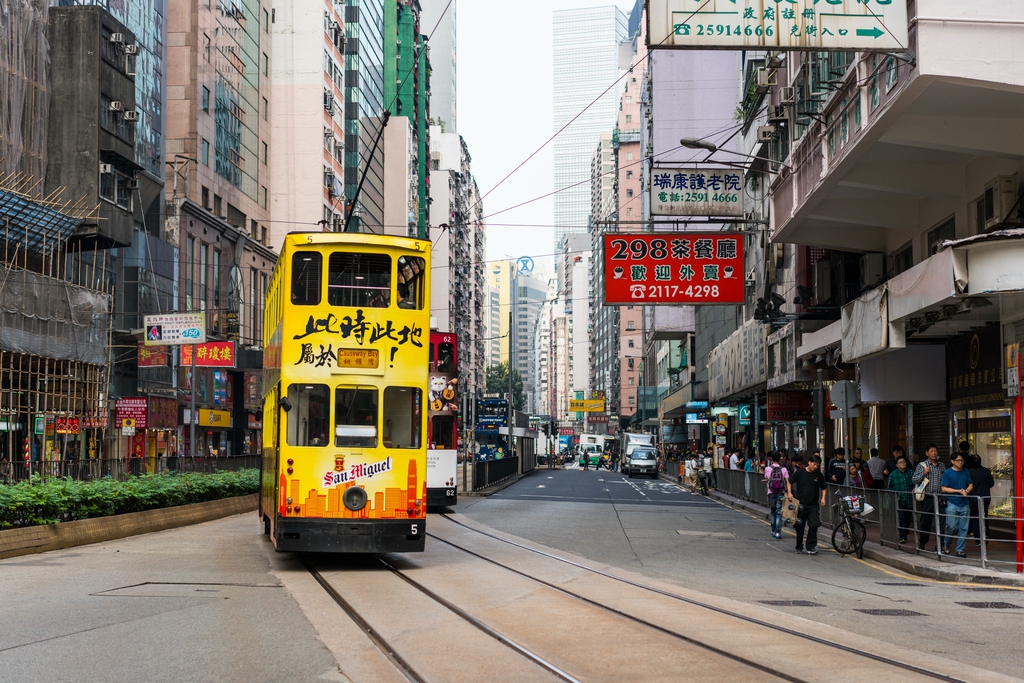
(306, 269)
(403, 408)
(355, 417)
(411, 277)
(359, 280)
(309, 417)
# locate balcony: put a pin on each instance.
(899, 145)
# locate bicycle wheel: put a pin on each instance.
(842, 540)
(860, 535)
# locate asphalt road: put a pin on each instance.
(656, 528)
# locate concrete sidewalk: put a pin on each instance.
(911, 563)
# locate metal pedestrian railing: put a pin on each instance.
(900, 521)
(119, 468)
(490, 472)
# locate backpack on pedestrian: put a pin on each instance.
(776, 480)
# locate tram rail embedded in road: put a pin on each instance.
(696, 603)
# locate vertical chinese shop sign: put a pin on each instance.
(674, 268)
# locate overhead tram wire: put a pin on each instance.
(581, 112)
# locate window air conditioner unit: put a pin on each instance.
(117, 38)
(1000, 197)
(872, 270)
(131, 49)
(131, 115)
(116, 105)
(767, 133)
(779, 113)
(787, 95)
(106, 168)
(765, 79)
(132, 184)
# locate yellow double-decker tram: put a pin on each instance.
(347, 336)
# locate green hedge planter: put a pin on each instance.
(35, 502)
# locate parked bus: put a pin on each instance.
(443, 420)
(346, 339)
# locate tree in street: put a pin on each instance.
(497, 383)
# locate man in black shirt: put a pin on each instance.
(808, 487)
(836, 470)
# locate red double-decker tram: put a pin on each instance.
(443, 397)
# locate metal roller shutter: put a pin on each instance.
(931, 425)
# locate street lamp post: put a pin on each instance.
(696, 143)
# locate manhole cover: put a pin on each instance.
(790, 603)
(989, 605)
(897, 583)
(890, 612)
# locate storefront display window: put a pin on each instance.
(989, 434)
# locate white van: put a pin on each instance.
(639, 455)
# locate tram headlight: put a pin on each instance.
(291, 470)
(288, 501)
(354, 498)
(290, 461)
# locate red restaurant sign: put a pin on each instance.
(210, 354)
(673, 268)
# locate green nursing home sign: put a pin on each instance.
(974, 370)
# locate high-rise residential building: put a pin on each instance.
(406, 142)
(603, 319)
(443, 61)
(586, 64)
(459, 291)
(364, 105)
(306, 110)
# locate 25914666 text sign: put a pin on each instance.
(779, 24)
(673, 268)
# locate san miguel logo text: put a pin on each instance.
(357, 472)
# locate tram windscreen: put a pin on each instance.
(355, 417)
(309, 417)
(359, 280)
(403, 407)
(306, 268)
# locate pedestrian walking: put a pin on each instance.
(836, 470)
(615, 462)
(808, 487)
(956, 483)
(901, 481)
(930, 510)
(708, 466)
(689, 472)
(585, 461)
(981, 477)
(777, 479)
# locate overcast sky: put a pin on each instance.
(505, 114)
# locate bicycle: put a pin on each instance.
(702, 482)
(850, 534)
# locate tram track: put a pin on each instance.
(887, 661)
(391, 653)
